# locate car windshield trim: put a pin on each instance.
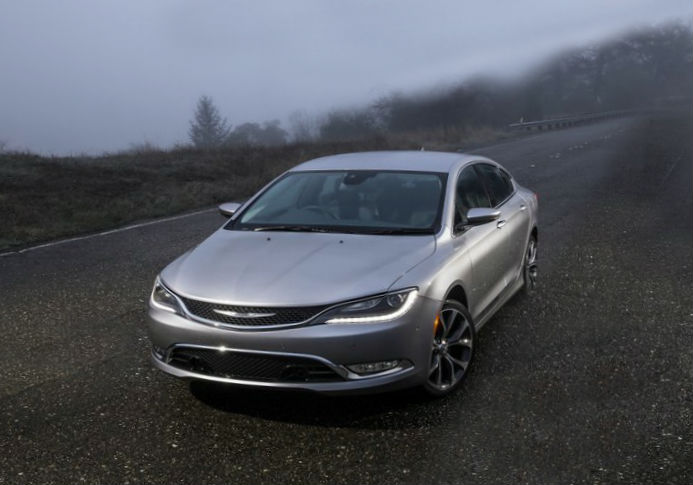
(370, 230)
(348, 227)
(284, 227)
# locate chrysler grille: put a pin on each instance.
(246, 316)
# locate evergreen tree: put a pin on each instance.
(208, 129)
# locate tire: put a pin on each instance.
(452, 349)
(529, 267)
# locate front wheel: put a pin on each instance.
(529, 270)
(452, 350)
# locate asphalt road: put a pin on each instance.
(590, 381)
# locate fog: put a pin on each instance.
(88, 76)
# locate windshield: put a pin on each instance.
(363, 201)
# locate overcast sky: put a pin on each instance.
(93, 76)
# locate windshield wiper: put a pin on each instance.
(290, 228)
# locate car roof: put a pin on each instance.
(417, 161)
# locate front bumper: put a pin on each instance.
(332, 346)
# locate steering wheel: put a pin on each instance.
(320, 210)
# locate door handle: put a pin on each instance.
(523, 207)
(500, 224)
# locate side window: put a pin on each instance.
(508, 180)
(497, 182)
(469, 193)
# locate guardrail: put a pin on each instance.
(555, 123)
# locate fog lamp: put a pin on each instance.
(373, 367)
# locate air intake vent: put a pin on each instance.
(256, 367)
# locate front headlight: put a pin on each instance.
(379, 309)
(163, 298)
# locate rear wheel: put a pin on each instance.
(452, 349)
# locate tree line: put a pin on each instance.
(647, 68)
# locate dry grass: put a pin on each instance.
(45, 198)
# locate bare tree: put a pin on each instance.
(245, 134)
(303, 127)
(269, 134)
(208, 129)
(348, 124)
(273, 134)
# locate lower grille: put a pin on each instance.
(258, 367)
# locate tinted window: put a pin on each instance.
(497, 182)
(470, 193)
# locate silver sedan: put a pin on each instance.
(350, 273)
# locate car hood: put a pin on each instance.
(293, 269)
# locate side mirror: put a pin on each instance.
(227, 209)
(482, 215)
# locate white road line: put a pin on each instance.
(189, 214)
(105, 233)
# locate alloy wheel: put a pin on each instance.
(452, 350)
(530, 267)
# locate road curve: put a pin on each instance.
(590, 381)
